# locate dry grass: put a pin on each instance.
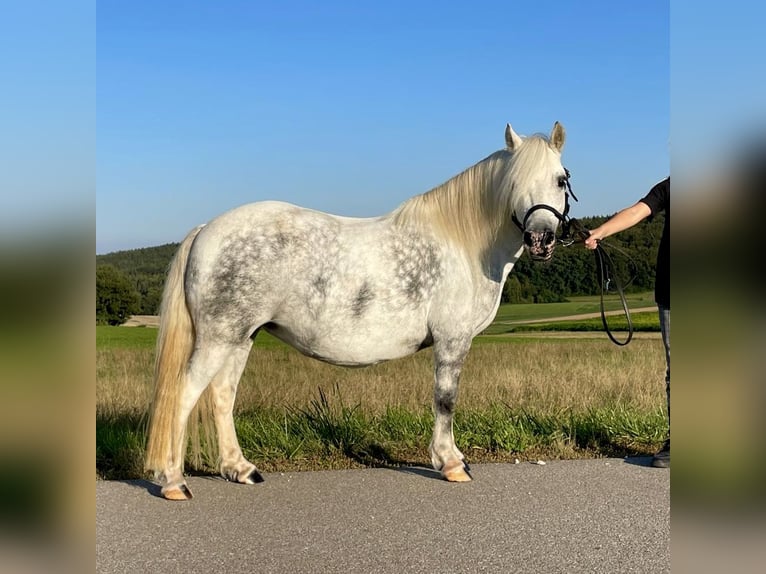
(545, 375)
(123, 381)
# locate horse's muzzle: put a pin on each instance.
(540, 244)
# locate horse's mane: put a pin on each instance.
(470, 209)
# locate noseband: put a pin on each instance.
(562, 217)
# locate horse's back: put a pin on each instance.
(265, 232)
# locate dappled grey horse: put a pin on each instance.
(348, 291)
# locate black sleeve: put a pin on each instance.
(658, 197)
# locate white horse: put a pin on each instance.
(348, 291)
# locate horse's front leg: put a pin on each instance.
(445, 456)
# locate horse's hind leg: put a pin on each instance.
(234, 466)
(205, 363)
(445, 455)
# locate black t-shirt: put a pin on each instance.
(658, 200)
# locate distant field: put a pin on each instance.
(575, 306)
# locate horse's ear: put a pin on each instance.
(512, 139)
(558, 135)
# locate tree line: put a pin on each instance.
(130, 282)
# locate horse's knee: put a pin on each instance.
(445, 399)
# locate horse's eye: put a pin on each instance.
(562, 182)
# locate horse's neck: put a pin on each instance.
(498, 261)
(488, 285)
(465, 211)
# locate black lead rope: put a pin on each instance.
(604, 264)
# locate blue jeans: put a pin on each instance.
(665, 328)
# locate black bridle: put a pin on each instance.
(572, 231)
(566, 222)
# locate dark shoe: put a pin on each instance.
(662, 458)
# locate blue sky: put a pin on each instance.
(352, 107)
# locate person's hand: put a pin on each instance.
(591, 242)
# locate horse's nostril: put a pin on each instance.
(550, 238)
(528, 238)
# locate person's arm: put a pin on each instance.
(620, 221)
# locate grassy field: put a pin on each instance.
(575, 306)
(523, 397)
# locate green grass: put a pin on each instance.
(109, 337)
(331, 434)
(397, 436)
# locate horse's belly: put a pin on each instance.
(352, 348)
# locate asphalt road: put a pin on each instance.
(606, 515)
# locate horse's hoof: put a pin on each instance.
(180, 492)
(242, 474)
(456, 472)
(254, 477)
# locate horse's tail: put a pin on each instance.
(175, 342)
